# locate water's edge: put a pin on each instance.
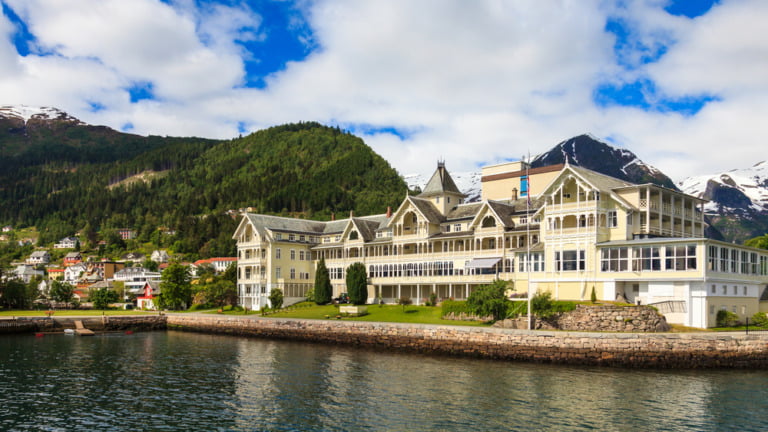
(646, 350)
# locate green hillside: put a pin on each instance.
(62, 177)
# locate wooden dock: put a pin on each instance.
(82, 331)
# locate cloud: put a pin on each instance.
(470, 83)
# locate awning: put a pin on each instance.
(482, 263)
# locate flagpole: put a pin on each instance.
(528, 233)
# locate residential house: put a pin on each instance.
(56, 274)
(72, 258)
(160, 256)
(26, 273)
(134, 278)
(126, 233)
(39, 257)
(7, 228)
(133, 257)
(146, 301)
(219, 264)
(73, 273)
(67, 243)
(561, 229)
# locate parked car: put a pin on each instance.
(343, 298)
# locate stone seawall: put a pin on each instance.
(96, 323)
(682, 350)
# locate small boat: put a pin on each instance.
(70, 332)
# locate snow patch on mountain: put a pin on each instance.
(468, 183)
(752, 182)
(28, 113)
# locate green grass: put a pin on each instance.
(380, 313)
(68, 312)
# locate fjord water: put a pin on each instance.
(175, 381)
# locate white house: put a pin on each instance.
(39, 257)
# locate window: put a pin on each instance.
(524, 186)
(745, 290)
(523, 220)
(681, 257)
(247, 272)
(278, 273)
(646, 259)
(291, 237)
(293, 255)
(614, 259)
(247, 254)
(278, 253)
(353, 235)
(714, 289)
(293, 273)
(301, 255)
(613, 219)
(457, 227)
(301, 238)
(537, 262)
(278, 236)
(447, 200)
(569, 260)
(712, 258)
(437, 200)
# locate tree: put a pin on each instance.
(102, 297)
(323, 287)
(357, 283)
(230, 274)
(175, 287)
(13, 294)
(489, 300)
(62, 292)
(150, 265)
(276, 298)
(220, 292)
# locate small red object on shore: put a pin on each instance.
(129, 332)
(39, 335)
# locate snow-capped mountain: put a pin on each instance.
(27, 113)
(732, 192)
(467, 182)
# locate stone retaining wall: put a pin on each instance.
(684, 350)
(598, 318)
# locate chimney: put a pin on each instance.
(333, 216)
(389, 212)
(351, 214)
(514, 194)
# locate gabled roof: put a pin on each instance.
(440, 183)
(427, 210)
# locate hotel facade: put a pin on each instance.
(562, 228)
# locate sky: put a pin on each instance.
(682, 84)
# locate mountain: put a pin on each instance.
(738, 200)
(593, 154)
(62, 175)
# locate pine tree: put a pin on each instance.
(323, 287)
(357, 283)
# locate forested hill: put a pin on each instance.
(63, 176)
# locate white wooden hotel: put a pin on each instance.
(562, 229)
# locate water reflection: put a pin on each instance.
(181, 381)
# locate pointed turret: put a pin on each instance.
(441, 190)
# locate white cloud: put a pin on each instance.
(472, 82)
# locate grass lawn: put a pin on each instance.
(380, 313)
(67, 312)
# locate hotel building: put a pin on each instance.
(562, 228)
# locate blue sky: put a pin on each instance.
(469, 82)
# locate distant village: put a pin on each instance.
(134, 275)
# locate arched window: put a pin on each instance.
(353, 235)
(489, 222)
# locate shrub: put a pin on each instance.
(276, 298)
(489, 300)
(323, 290)
(593, 296)
(455, 307)
(726, 318)
(432, 299)
(759, 319)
